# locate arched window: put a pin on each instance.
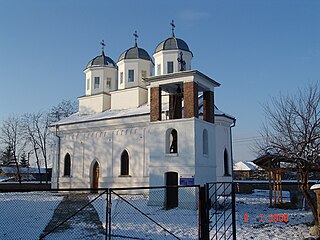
(171, 141)
(67, 165)
(124, 168)
(205, 142)
(226, 163)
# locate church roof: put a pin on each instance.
(100, 61)
(121, 113)
(135, 53)
(172, 43)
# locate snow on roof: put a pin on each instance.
(121, 113)
(245, 166)
(108, 114)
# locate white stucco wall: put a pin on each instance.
(160, 161)
(165, 56)
(205, 163)
(94, 103)
(103, 73)
(223, 141)
(138, 65)
(129, 98)
(103, 143)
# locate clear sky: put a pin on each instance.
(254, 48)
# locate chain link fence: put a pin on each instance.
(171, 212)
(72, 214)
(154, 213)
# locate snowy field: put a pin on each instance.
(263, 222)
(25, 215)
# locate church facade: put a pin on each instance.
(142, 119)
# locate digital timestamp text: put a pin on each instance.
(271, 218)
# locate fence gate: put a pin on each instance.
(142, 213)
(218, 220)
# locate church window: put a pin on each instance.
(88, 84)
(169, 67)
(171, 141)
(159, 69)
(205, 142)
(143, 73)
(121, 77)
(130, 75)
(124, 168)
(108, 83)
(96, 82)
(226, 163)
(67, 165)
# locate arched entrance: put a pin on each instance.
(95, 177)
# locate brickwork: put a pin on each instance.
(190, 99)
(208, 106)
(155, 102)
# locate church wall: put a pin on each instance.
(223, 141)
(205, 162)
(128, 98)
(103, 73)
(171, 56)
(104, 145)
(182, 162)
(94, 104)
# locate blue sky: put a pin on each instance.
(254, 48)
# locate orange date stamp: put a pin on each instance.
(271, 218)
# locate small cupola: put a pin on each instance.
(101, 74)
(101, 79)
(134, 64)
(172, 55)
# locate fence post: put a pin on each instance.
(233, 201)
(108, 215)
(204, 217)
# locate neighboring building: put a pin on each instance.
(132, 128)
(9, 173)
(248, 171)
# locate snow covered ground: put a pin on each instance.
(263, 222)
(25, 215)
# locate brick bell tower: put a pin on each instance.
(181, 124)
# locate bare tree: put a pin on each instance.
(64, 109)
(12, 136)
(292, 130)
(36, 127)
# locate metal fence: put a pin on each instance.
(221, 211)
(154, 213)
(72, 214)
(171, 212)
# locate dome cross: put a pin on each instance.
(102, 45)
(172, 27)
(135, 34)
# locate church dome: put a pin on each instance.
(172, 43)
(135, 53)
(100, 61)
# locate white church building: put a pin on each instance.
(141, 119)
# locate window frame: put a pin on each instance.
(96, 82)
(124, 163)
(170, 63)
(172, 141)
(67, 165)
(121, 77)
(130, 75)
(205, 142)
